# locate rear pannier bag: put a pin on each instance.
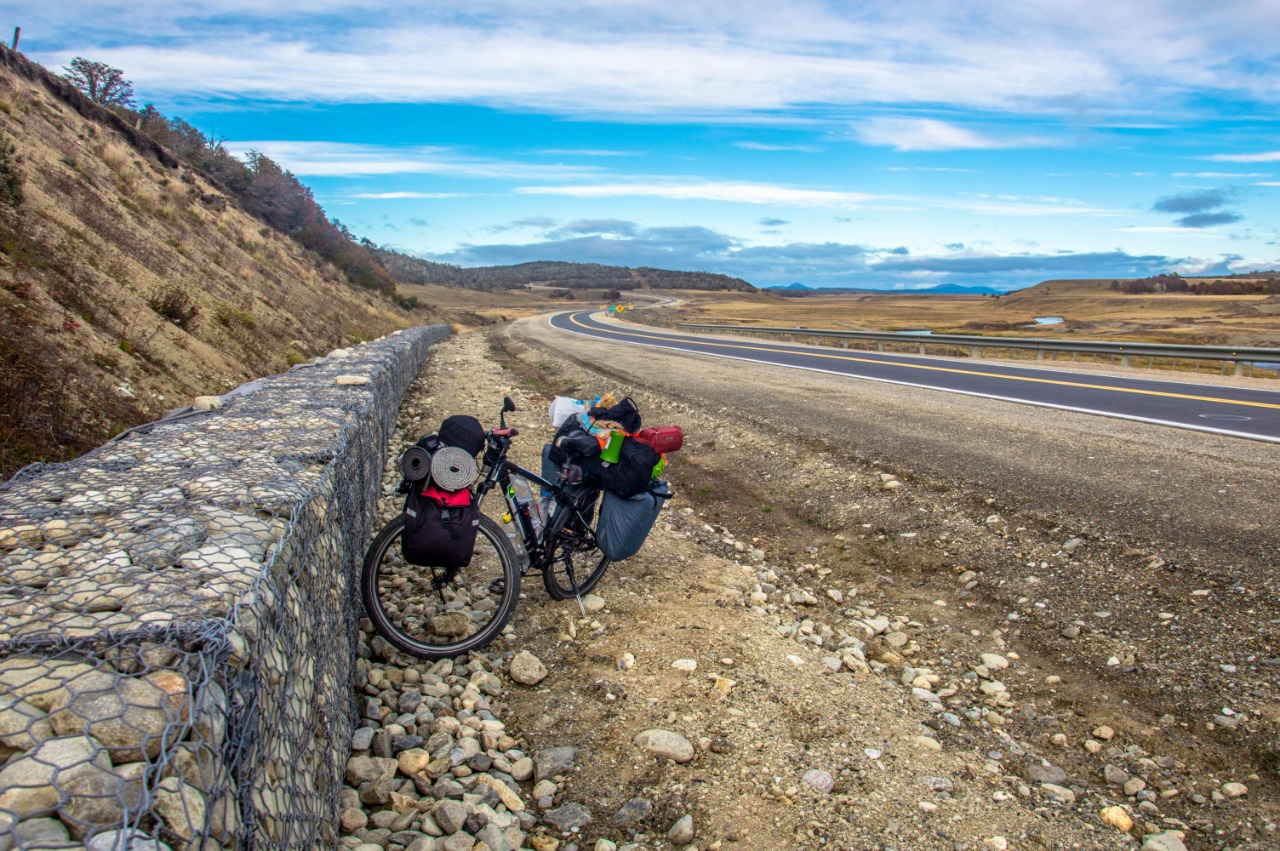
(632, 472)
(439, 528)
(625, 523)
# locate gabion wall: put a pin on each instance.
(178, 612)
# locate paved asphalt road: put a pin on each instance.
(1230, 411)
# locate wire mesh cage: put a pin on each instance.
(177, 617)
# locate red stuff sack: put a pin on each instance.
(663, 439)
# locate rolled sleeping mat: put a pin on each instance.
(415, 464)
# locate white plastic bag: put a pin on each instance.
(562, 408)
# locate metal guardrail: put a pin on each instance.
(1239, 355)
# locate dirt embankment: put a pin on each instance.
(129, 283)
(889, 620)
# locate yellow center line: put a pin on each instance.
(954, 370)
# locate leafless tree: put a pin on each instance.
(102, 83)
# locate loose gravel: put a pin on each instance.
(833, 641)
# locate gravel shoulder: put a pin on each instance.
(813, 609)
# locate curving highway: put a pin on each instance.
(1237, 412)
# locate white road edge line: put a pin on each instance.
(1107, 414)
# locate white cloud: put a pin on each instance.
(1268, 157)
(1182, 233)
(764, 146)
(929, 134)
(337, 159)
(646, 59)
(394, 196)
(706, 190)
(1018, 206)
(1221, 175)
(935, 168)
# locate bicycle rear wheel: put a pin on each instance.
(569, 570)
(418, 612)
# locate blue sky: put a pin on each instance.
(886, 145)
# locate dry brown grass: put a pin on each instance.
(475, 308)
(1090, 308)
(101, 231)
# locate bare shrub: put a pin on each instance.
(56, 408)
(175, 304)
(115, 156)
(11, 177)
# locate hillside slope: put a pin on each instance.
(128, 283)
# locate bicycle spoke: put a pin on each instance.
(432, 614)
(575, 566)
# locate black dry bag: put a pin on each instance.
(632, 472)
(439, 528)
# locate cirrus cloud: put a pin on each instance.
(739, 192)
(929, 134)
(1267, 157)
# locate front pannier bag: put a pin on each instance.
(439, 527)
(625, 523)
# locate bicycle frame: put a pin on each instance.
(537, 543)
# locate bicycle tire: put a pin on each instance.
(559, 574)
(413, 615)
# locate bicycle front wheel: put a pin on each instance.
(417, 611)
(574, 565)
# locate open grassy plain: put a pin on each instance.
(467, 309)
(1090, 310)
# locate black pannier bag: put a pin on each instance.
(439, 528)
(625, 523)
(632, 472)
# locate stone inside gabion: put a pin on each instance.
(82, 736)
(176, 620)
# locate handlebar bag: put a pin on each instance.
(439, 528)
(625, 523)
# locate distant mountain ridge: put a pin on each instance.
(415, 270)
(798, 288)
